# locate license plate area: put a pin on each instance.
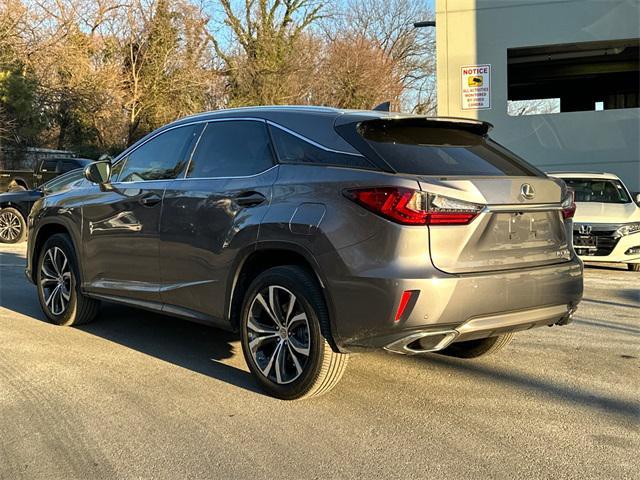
(520, 229)
(585, 242)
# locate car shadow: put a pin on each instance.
(16, 293)
(609, 325)
(630, 294)
(480, 371)
(193, 346)
(197, 347)
(616, 304)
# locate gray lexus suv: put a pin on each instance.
(315, 232)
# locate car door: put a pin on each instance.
(212, 214)
(121, 223)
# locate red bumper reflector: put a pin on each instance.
(406, 296)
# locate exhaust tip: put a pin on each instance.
(568, 317)
(422, 342)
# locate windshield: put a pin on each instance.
(63, 181)
(599, 191)
(409, 147)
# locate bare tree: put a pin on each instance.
(355, 72)
(266, 56)
(167, 64)
(96, 75)
(389, 24)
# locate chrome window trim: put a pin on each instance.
(311, 142)
(198, 178)
(226, 178)
(144, 181)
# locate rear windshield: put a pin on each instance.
(599, 191)
(427, 150)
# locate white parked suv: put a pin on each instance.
(606, 225)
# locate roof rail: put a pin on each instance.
(579, 172)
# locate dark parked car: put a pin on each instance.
(15, 206)
(315, 232)
(21, 180)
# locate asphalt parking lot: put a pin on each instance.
(138, 395)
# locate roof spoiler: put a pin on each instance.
(477, 127)
(383, 107)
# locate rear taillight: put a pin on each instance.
(569, 205)
(414, 207)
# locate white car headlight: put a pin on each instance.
(628, 229)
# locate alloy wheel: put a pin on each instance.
(10, 226)
(55, 280)
(278, 334)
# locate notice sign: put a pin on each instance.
(476, 87)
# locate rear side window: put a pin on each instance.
(427, 150)
(292, 149)
(235, 148)
(163, 157)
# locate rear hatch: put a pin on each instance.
(507, 233)
(520, 223)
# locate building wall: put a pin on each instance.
(472, 32)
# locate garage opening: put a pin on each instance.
(587, 76)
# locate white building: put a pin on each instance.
(559, 79)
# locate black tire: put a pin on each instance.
(478, 348)
(17, 188)
(13, 227)
(634, 267)
(312, 374)
(79, 309)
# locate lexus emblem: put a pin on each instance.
(584, 230)
(527, 191)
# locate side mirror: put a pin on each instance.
(98, 172)
(638, 198)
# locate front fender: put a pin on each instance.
(47, 221)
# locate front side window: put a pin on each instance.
(163, 157)
(599, 191)
(116, 168)
(235, 148)
(63, 182)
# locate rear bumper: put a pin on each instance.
(482, 327)
(462, 307)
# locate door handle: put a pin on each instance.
(150, 199)
(249, 199)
